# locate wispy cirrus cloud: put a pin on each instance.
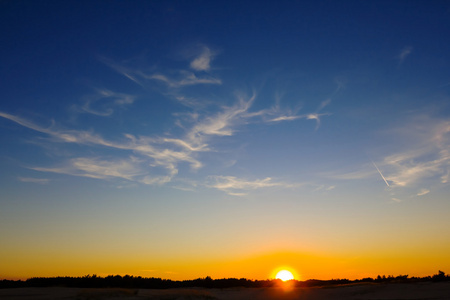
(184, 78)
(423, 192)
(404, 54)
(221, 124)
(424, 162)
(156, 159)
(203, 61)
(98, 168)
(157, 153)
(316, 117)
(130, 169)
(103, 102)
(323, 187)
(239, 186)
(278, 114)
(162, 151)
(285, 118)
(177, 79)
(151, 149)
(292, 116)
(428, 158)
(34, 180)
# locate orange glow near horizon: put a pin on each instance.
(303, 266)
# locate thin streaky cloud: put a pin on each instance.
(188, 101)
(147, 147)
(130, 170)
(87, 108)
(429, 157)
(323, 187)
(203, 61)
(98, 168)
(183, 78)
(24, 123)
(237, 186)
(276, 113)
(237, 194)
(34, 180)
(106, 100)
(155, 152)
(341, 83)
(186, 145)
(285, 118)
(221, 124)
(423, 192)
(404, 53)
(316, 117)
(187, 79)
(381, 174)
(159, 180)
(444, 178)
(407, 173)
(69, 136)
(324, 104)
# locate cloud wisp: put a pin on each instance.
(176, 79)
(97, 168)
(235, 186)
(404, 54)
(423, 192)
(104, 102)
(428, 159)
(155, 152)
(424, 163)
(149, 149)
(290, 116)
(34, 180)
(157, 159)
(147, 156)
(185, 78)
(203, 61)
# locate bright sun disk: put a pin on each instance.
(284, 275)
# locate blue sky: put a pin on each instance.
(223, 127)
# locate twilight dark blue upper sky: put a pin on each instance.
(228, 111)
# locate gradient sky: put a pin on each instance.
(184, 139)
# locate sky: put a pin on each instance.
(185, 139)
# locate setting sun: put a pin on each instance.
(284, 275)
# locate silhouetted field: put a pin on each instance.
(138, 282)
(436, 287)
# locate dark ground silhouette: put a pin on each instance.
(138, 282)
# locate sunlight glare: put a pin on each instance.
(284, 275)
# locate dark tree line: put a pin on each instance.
(138, 282)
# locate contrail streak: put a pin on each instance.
(380, 173)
